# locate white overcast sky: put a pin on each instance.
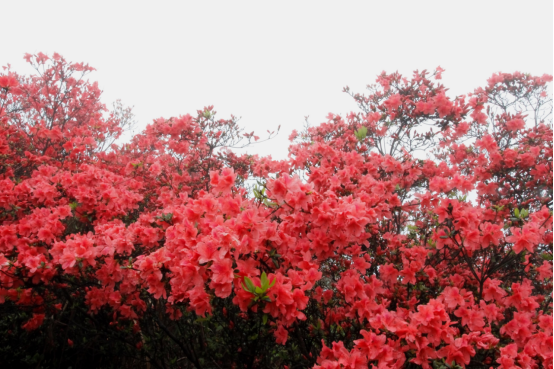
(273, 63)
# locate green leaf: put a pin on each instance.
(258, 290)
(249, 284)
(73, 205)
(264, 282)
(264, 319)
(516, 212)
(269, 204)
(361, 133)
(272, 282)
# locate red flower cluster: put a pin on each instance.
(357, 242)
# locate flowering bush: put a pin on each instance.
(415, 233)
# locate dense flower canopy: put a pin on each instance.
(416, 232)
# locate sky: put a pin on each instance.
(274, 63)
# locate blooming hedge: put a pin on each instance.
(414, 233)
